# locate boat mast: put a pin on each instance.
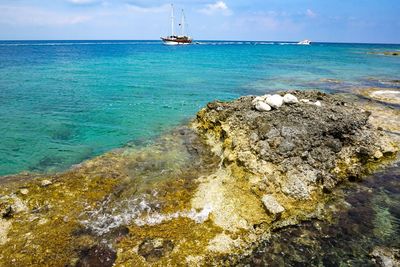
(172, 20)
(183, 23)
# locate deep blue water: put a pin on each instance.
(65, 101)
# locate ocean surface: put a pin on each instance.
(62, 102)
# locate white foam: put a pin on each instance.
(139, 211)
(77, 43)
(157, 218)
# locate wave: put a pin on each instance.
(146, 43)
(77, 43)
(244, 43)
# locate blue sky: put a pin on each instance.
(285, 20)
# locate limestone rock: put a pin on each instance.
(295, 187)
(272, 205)
(260, 99)
(275, 101)
(45, 183)
(24, 191)
(378, 154)
(4, 228)
(290, 99)
(312, 149)
(261, 106)
(257, 99)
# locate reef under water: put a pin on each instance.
(365, 220)
(236, 186)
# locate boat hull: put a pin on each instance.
(304, 42)
(176, 41)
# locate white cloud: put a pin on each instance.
(155, 9)
(82, 2)
(13, 15)
(310, 13)
(217, 7)
(267, 22)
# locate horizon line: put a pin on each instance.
(199, 40)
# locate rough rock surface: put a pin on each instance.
(300, 148)
(386, 257)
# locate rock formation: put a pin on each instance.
(201, 195)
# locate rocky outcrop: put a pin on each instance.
(201, 195)
(298, 149)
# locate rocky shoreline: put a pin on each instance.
(204, 194)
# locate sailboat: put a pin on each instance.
(174, 39)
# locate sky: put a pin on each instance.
(365, 21)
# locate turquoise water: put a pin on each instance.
(65, 101)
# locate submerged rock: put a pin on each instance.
(97, 256)
(385, 53)
(386, 257)
(153, 249)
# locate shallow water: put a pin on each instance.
(369, 217)
(65, 101)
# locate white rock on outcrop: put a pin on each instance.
(275, 101)
(290, 99)
(4, 228)
(257, 99)
(272, 205)
(261, 106)
(45, 183)
(24, 191)
(318, 104)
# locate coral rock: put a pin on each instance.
(290, 99)
(275, 101)
(261, 106)
(272, 205)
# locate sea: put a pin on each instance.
(62, 102)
